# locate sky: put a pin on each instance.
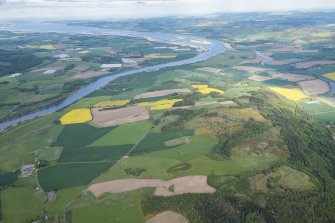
(129, 9)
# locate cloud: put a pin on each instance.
(121, 9)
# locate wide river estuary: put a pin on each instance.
(211, 49)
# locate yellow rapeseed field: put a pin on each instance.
(43, 47)
(330, 76)
(204, 89)
(84, 51)
(294, 94)
(107, 104)
(10, 37)
(75, 116)
(161, 104)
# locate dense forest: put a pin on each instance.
(15, 61)
(311, 150)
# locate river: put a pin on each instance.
(213, 48)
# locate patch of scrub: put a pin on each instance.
(282, 179)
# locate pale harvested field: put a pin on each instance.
(249, 69)
(228, 46)
(277, 62)
(210, 70)
(255, 46)
(168, 217)
(119, 116)
(314, 87)
(259, 78)
(228, 103)
(293, 77)
(201, 41)
(47, 68)
(89, 74)
(256, 60)
(182, 185)
(287, 48)
(206, 103)
(162, 93)
(304, 65)
(178, 141)
(327, 100)
(290, 48)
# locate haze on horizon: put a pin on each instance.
(129, 9)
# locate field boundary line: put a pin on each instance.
(134, 146)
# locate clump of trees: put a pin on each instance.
(134, 171)
(183, 117)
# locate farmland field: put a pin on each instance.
(106, 104)
(101, 213)
(246, 135)
(155, 141)
(330, 76)
(62, 176)
(20, 204)
(76, 116)
(325, 117)
(124, 134)
(292, 94)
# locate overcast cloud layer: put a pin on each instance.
(123, 9)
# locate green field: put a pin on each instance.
(70, 175)
(155, 141)
(7, 178)
(325, 117)
(79, 135)
(21, 204)
(316, 107)
(25, 139)
(114, 214)
(205, 166)
(49, 153)
(64, 197)
(75, 138)
(199, 146)
(154, 168)
(124, 134)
